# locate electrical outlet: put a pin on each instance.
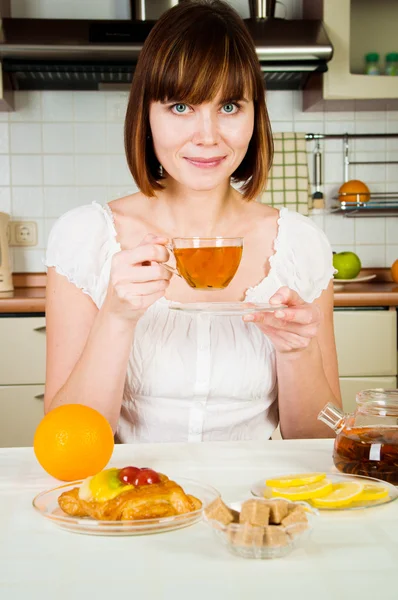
(23, 233)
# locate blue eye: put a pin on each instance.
(229, 108)
(180, 108)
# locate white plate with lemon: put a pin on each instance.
(328, 491)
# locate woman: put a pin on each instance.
(196, 118)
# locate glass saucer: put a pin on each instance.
(225, 308)
(46, 503)
(260, 490)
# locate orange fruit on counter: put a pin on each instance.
(349, 190)
(73, 441)
(394, 271)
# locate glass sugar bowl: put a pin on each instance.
(367, 439)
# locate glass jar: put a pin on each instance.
(391, 67)
(372, 66)
(367, 440)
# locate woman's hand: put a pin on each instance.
(292, 328)
(137, 278)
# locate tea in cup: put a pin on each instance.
(207, 263)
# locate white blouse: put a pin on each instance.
(194, 377)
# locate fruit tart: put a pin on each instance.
(127, 494)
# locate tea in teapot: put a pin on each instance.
(367, 440)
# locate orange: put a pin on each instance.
(73, 441)
(349, 190)
(394, 271)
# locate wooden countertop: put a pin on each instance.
(30, 292)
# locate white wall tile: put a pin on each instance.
(48, 225)
(91, 169)
(308, 126)
(282, 126)
(343, 248)
(90, 138)
(119, 191)
(391, 254)
(59, 170)
(57, 138)
(333, 168)
(373, 126)
(5, 200)
(4, 138)
(89, 106)
(30, 261)
(59, 199)
(334, 127)
(118, 170)
(88, 194)
(371, 256)
(392, 230)
(27, 107)
(4, 170)
(280, 106)
(114, 138)
(339, 230)
(26, 169)
(57, 106)
(115, 106)
(370, 230)
(25, 138)
(27, 201)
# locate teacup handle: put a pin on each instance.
(168, 267)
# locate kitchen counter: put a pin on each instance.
(30, 293)
(350, 555)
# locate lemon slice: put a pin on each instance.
(342, 494)
(304, 492)
(372, 491)
(292, 480)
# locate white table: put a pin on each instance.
(351, 555)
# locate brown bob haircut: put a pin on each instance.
(196, 50)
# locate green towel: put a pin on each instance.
(288, 183)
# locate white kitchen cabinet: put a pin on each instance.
(366, 343)
(355, 28)
(22, 378)
(23, 350)
(21, 410)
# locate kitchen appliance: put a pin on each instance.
(84, 54)
(6, 284)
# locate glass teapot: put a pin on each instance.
(367, 439)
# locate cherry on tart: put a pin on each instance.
(146, 477)
(128, 475)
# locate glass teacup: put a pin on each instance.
(206, 263)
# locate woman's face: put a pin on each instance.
(201, 146)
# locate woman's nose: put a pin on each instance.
(206, 132)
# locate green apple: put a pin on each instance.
(347, 264)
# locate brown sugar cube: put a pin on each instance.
(235, 515)
(254, 512)
(297, 515)
(246, 535)
(274, 536)
(278, 511)
(219, 511)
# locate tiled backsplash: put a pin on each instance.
(62, 149)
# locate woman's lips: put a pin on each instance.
(205, 163)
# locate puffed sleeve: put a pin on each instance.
(79, 245)
(304, 256)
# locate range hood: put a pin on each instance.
(65, 54)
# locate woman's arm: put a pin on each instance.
(88, 349)
(308, 379)
(306, 362)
